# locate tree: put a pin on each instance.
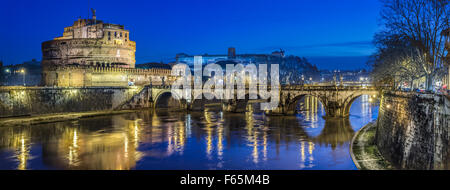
(397, 61)
(419, 23)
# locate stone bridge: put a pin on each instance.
(336, 100)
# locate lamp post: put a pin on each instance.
(4, 79)
(23, 73)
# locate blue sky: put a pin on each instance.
(317, 29)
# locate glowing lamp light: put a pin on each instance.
(73, 92)
(388, 106)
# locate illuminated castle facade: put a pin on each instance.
(94, 53)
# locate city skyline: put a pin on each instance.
(320, 31)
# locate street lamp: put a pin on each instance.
(23, 73)
(5, 78)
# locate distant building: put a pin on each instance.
(346, 76)
(94, 53)
(27, 73)
(232, 53)
(231, 56)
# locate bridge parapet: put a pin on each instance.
(330, 88)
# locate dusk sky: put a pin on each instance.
(333, 34)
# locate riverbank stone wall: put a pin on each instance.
(413, 130)
(29, 101)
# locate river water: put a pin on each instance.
(199, 140)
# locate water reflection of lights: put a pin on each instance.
(209, 133)
(366, 101)
(176, 138)
(73, 150)
(118, 145)
(136, 133)
(125, 147)
(23, 154)
(265, 143)
(310, 107)
(220, 142)
(220, 134)
(302, 152)
(310, 151)
(188, 125)
(306, 156)
(252, 134)
(255, 150)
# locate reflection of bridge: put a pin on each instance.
(336, 100)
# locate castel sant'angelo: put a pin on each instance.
(94, 53)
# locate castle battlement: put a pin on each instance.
(80, 75)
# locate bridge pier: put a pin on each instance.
(334, 109)
(235, 106)
(279, 111)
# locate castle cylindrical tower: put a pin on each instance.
(88, 43)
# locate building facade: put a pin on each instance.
(94, 53)
(231, 56)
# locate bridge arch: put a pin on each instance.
(349, 102)
(293, 103)
(164, 99)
